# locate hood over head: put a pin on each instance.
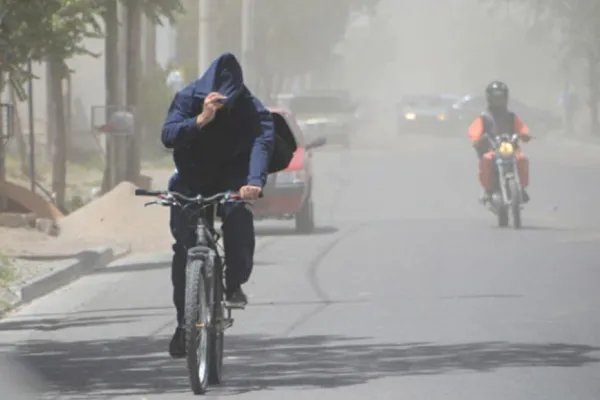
(224, 75)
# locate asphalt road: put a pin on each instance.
(407, 291)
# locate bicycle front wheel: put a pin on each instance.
(217, 335)
(197, 320)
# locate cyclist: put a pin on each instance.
(222, 139)
(497, 119)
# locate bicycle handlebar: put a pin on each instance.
(166, 197)
(514, 136)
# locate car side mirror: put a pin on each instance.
(317, 142)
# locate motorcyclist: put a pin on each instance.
(494, 120)
(222, 139)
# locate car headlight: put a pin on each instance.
(506, 149)
(290, 177)
(410, 116)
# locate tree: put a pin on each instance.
(52, 31)
(292, 38)
(37, 29)
(300, 36)
(154, 10)
(575, 25)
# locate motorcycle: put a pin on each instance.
(507, 195)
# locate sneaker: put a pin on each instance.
(177, 345)
(236, 299)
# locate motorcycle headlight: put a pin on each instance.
(410, 116)
(506, 149)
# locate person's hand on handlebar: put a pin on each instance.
(525, 137)
(250, 192)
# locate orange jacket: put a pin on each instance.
(476, 129)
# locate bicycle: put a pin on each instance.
(205, 319)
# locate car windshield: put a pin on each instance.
(318, 104)
(428, 101)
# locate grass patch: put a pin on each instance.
(5, 307)
(8, 272)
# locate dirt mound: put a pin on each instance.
(120, 217)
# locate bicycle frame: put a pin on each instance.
(206, 248)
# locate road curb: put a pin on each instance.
(69, 270)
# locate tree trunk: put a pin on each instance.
(134, 41)
(111, 75)
(50, 113)
(594, 93)
(59, 156)
(3, 140)
(21, 147)
(186, 52)
(150, 61)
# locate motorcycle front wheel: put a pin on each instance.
(515, 196)
(503, 216)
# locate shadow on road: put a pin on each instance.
(282, 231)
(140, 365)
(62, 322)
(547, 228)
(154, 266)
(133, 267)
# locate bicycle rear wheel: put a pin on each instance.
(197, 320)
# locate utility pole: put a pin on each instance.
(112, 78)
(31, 126)
(248, 44)
(205, 16)
(133, 18)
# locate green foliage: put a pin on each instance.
(160, 8)
(40, 29)
(8, 272)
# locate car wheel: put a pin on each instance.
(305, 219)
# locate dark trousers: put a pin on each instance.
(238, 243)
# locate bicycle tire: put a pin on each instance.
(216, 335)
(196, 312)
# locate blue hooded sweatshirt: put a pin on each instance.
(236, 147)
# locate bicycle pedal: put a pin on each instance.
(228, 323)
(234, 306)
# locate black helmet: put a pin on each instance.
(496, 94)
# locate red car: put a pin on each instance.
(288, 193)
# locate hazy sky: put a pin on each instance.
(450, 46)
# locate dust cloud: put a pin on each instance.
(447, 46)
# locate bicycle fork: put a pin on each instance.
(218, 323)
